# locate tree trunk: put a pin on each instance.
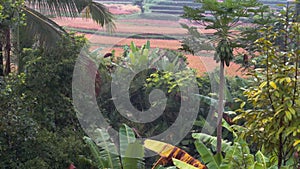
(220, 108)
(280, 147)
(1, 60)
(297, 10)
(7, 51)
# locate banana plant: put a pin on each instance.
(234, 154)
(237, 155)
(172, 154)
(128, 155)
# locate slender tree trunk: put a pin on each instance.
(297, 10)
(7, 51)
(220, 108)
(1, 60)
(280, 147)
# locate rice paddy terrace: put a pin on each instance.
(160, 25)
(175, 7)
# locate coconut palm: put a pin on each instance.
(39, 27)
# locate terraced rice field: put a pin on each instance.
(127, 27)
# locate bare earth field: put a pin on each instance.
(139, 26)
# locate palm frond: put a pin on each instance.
(59, 7)
(100, 14)
(42, 28)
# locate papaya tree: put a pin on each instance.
(222, 17)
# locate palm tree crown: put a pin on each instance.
(26, 15)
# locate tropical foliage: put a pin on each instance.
(128, 154)
(274, 93)
(225, 16)
(168, 153)
(38, 123)
(39, 128)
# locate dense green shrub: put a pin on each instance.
(38, 124)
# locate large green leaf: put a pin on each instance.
(182, 165)
(211, 140)
(131, 150)
(161, 167)
(100, 162)
(133, 158)
(232, 155)
(238, 155)
(109, 150)
(206, 155)
(126, 137)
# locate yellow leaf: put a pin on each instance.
(296, 143)
(273, 85)
(242, 104)
(263, 84)
(168, 151)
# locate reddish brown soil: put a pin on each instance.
(121, 9)
(159, 43)
(201, 64)
(123, 27)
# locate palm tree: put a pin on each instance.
(41, 28)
